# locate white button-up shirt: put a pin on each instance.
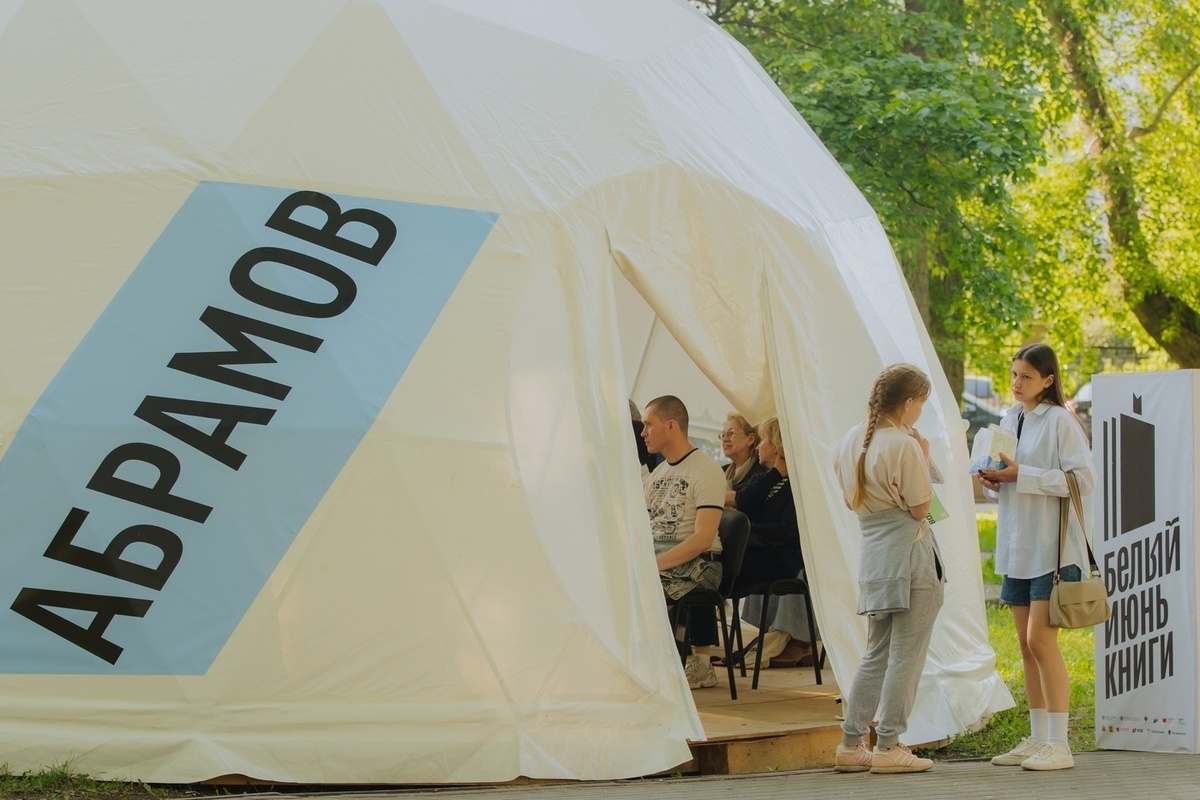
(1052, 443)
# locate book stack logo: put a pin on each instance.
(1138, 644)
(1129, 478)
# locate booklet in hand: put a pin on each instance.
(989, 444)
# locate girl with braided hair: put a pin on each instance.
(883, 468)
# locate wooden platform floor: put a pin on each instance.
(789, 722)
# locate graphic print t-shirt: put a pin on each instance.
(675, 491)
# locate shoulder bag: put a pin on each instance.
(1076, 604)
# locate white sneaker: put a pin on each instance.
(1050, 756)
(700, 672)
(1014, 758)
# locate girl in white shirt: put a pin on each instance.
(1050, 443)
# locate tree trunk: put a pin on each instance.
(921, 280)
(945, 331)
(922, 284)
(918, 279)
(1168, 318)
(952, 364)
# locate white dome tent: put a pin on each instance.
(318, 325)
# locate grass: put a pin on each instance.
(986, 522)
(62, 782)
(1005, 729)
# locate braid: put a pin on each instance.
(860, 475)
(892, 388)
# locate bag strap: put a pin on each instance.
(1064, 516)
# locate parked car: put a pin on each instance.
(1081, 404)
(980, 389)
(979, 415)
(981, 407)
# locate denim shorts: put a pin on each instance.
(1021, 591)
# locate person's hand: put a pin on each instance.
(987, 484)
(921, 440)
(1006, 475)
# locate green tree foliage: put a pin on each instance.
(934, 117)
(1036, 165)
(1129, 157)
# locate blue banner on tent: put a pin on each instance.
(169, 465)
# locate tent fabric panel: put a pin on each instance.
(398, 618)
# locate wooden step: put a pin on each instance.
(789, 722)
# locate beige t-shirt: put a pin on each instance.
(675, 491)
(897, 474)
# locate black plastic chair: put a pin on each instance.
(781, 588)
(776, 588)
(734, 533)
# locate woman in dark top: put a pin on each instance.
(773, 552)
(774, 548)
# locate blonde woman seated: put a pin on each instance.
(739, 443)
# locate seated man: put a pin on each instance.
(645, 458)
(685, 496)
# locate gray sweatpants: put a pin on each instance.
(891, 668)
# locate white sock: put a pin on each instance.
(1057, 730)
(1039, 726)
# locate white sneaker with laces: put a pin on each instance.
(1050, 756)
(700, 672)
(1014, 758)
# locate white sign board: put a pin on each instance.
(1144, 444)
